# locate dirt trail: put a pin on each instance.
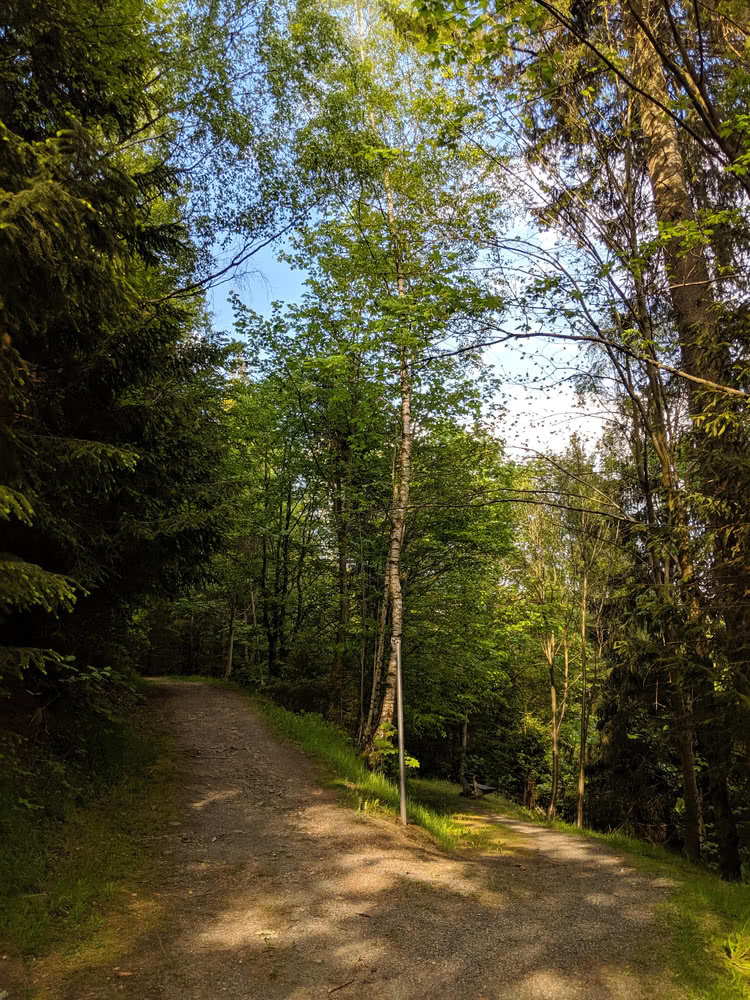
(273, 892)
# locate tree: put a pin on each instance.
(110, 417)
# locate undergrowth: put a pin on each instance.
(71, 832)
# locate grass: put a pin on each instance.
(69, 856)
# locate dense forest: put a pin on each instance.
(297, 497)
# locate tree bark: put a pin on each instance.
(550, 652)
(692, 824)
(557, 720)
(716, 744)
(687, 268)
(398, 526)
(552, 807)
(230, 642)
(373, 712)
(464, 749)
(400, 500)
(341, 511)
(584, 707)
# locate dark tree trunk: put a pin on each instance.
(692, 822)
(230, 643)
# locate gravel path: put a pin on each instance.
(273, 892)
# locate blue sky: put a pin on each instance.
(537, 418)
(268, 280)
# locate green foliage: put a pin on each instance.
(110, 438)
(23, 586)
(111, 429)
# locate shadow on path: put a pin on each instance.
(271, 891)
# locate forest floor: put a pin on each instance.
(264, 888)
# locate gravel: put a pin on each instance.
(271, 891)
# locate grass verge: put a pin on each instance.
(71, 853)
(433, 805)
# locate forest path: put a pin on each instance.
(271, 891)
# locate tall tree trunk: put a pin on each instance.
(550, 652)
(303, 553)
(692, 823)
(363, 639)
(336, 676)
(341, 512)
(398, 527)
(557, 717)
(691, 300)
(552, 806)
(230, 642)
(716, 745)
(283, 589)
(265, 587)
(584, 706)
(703, 352)
(256, 630)
(373, 712)
(400, 502)
(687, 269)
(464, 749)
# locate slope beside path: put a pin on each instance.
(271, 891)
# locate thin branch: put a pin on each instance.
(507, 335)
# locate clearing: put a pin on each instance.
(266, 889)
